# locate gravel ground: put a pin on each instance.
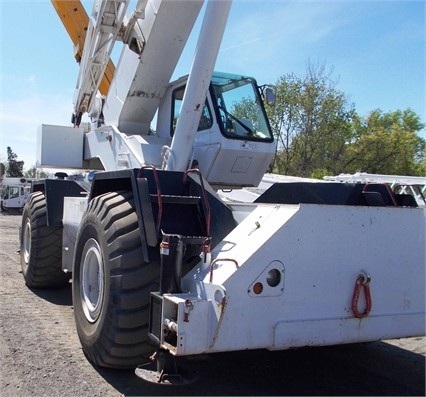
(40, 354)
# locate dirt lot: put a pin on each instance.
(40, 354)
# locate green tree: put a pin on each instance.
(311, 122)
(247, 109)
(285, 118)
(387, 143)
(14, 167)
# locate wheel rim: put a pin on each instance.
(92, 280)
(26, 241)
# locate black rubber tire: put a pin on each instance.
(115, 335)
(41, 247)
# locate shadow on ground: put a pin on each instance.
(377, 368)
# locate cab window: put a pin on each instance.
(206, 120)
(240, 108)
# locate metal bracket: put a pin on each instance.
(163, 370)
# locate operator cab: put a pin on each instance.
(234, 144)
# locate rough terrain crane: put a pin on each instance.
(158, 260)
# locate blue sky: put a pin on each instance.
(376, 50)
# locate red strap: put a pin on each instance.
(361, 282)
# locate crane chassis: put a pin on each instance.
(162, 259)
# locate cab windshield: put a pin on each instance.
(240, 109)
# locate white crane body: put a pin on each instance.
(162, 251)
(311, 303)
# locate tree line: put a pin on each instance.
(319, 132)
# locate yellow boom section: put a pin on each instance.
(75, 19)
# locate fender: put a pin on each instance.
(55, 190)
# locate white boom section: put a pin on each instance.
(211, 34)
(363, 177)
(141, 78)
(414, 185)
(105, 24)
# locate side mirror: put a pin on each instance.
(270, 96)
(91, 176)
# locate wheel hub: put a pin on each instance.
(26, 241)
(92, 280)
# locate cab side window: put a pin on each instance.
(206, 116)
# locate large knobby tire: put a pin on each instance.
(112, 284)
(41, 247)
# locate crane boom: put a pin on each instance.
(75, 20)
(105, 24)
(199, 79)
(148, 69)
(147, 62)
